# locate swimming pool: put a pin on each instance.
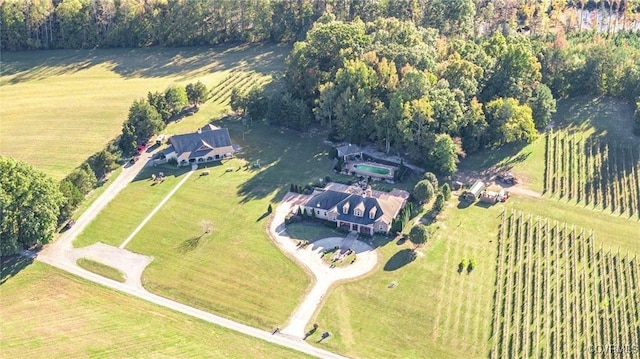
(372, 169)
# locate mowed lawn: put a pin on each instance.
(235, 271)
(60, 107)
(48, 313)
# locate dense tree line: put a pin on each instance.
(29, 206)
(45, 24)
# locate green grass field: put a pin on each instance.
(47, 313)
(101, 269)
(77, 100)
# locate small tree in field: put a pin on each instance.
(471, 266)
(462, 265)
(207, 227)
(423, 191)
(269, 209)
(419, 234)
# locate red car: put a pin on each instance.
(141, 148)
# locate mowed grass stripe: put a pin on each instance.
(120, 217)
(47, 313)
(101, 269)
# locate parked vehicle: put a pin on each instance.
(507, 177)
(141, 148)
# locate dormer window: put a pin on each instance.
(345, 208)
(357, 213)
(372, 212)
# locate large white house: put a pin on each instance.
(356, 209)
(209, 143)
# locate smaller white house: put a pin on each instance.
(208, 144)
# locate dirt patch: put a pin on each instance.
(489, 178)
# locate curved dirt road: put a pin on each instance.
(59, 254)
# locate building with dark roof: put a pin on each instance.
(208, 144)
(356, 209)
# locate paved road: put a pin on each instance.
(59, 254)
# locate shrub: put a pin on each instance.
(446, 191)
(327, 179)
(438, 205)
(423, 191)
(269, 209)
(429, 176)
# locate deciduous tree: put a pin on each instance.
(423, 191)
(419, 234)
(509, 121)
(29, 206)
(196, 93)
(443, 155)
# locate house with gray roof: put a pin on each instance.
(356, 209)
(348, 151)
(207, 144)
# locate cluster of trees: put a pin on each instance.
(399, 85)
(594, 65)
(29, 206)
(149, 116)
(42, 24)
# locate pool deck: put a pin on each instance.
(351, 168)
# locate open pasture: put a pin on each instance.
(559, 295)
(48, 313)
(59, 107)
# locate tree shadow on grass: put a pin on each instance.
(12, 265)
(504, 158)
(263, 216)
(190, 244)
(184, 63)
(400, 259)
(166, 169)
(284, 158)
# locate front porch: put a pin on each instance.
(360, 228)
